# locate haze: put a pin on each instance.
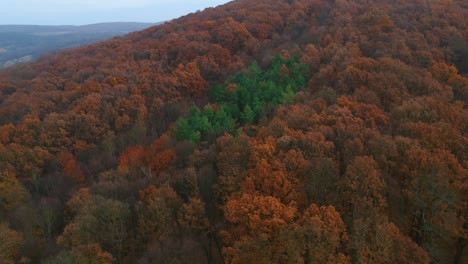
(81, 12)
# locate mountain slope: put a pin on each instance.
(365, 163)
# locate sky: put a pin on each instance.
(82, 12)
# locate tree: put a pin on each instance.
(247, 115)
(260, 231)
(362, 188)
(91, 254)
(191, 80)
(157, 213)
(77, 201)
(403, 249)
(193, 216)
(434, 183)
(183, 131)
(264, 180)
(132, 157)
(10, 242)
(324, 234)
(100, 220)
(71, 168)
(260, 215)
(232, 158)
(12, 192)
(363, 201)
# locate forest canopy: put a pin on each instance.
(267, 131)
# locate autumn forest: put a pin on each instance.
(266, 131)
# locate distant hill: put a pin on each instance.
(23, 43)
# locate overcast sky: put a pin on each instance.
(80, 12)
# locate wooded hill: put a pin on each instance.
(267, 131)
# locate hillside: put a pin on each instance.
(24, 43)
(267, 131)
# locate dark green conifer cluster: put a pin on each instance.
(244, 99)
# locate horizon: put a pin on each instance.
(87, 12)
(71, 25)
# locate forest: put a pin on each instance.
(267, 131)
